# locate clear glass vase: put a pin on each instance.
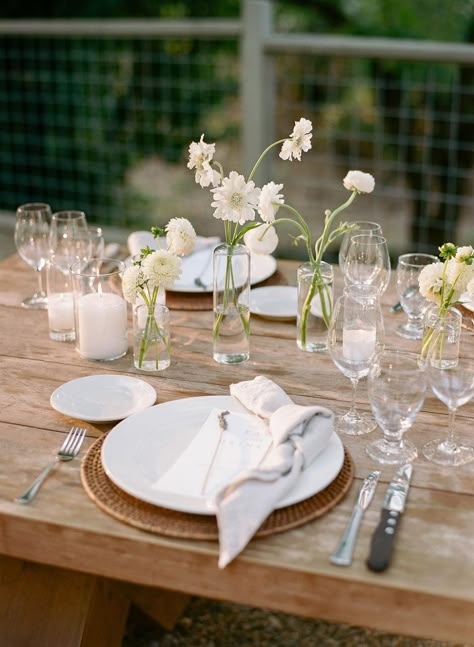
(315, 302)
(231, 294)
(441, 337)
(151, 337)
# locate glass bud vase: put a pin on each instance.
(151, 337)
(315, 301)
(231, 294)
(441, 337)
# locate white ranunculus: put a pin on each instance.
(359, 181)
(470, 290)
(458, 274)
(200, 157)
(161, 269)
(180, 236)
(270, 201)
(430, 282)
(464, 254)
(235, 200)
(262, 239)
(299, 141)
(133, 281)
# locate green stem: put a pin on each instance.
(322, 242)
(252, 172)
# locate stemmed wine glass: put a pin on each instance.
(355, 334)
(69, 238)
(368, 261)
(413, 303)
(363, 227)
(31, 240)
(397, 387)
(454, 386)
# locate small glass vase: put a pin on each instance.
(441, 337)
(231, 294)
(315, 302)
(151, 337)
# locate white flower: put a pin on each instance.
(458, 275)
(262, 239)
(180, 236)
(430, 282)
(359, 181)
(470, 290)
(200, 157)
(270, 200)
(299, 140)
(464, 254)
(161, 268)
(236, 199)
(133, 281)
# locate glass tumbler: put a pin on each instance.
(60, 301)
(151, 337)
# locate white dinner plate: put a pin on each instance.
(274, 302)
(140, 449)
(467, 303)
(103, 398)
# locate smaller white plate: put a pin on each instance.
(274, 302)
(467, 303)
(103, 398)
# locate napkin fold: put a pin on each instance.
(138, 240)
(299, 434)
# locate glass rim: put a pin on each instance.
(34, 206)
(402, 258)
(78, 267)
(399, 353)
(376, 225)
(374, 239)
(68, 215)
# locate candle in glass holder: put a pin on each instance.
(358, 345)
(61, 311)
(102, 319)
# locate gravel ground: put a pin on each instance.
(206, 623)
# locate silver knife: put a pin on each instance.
(342, 556)
(393, 506)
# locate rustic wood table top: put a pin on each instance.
(429, 588)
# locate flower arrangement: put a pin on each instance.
(237, 201)
(155, 269)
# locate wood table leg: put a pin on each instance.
(165, 607)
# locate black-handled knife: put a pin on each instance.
(384, 535)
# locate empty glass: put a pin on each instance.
(69, 239)
(368, 262)
(413, 303)
(96, 236)
(454, 386)
(397, 387)
(31, 240)
(363, 227)
(60, 301)
(355, 335)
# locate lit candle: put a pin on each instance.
(358, 345)
(102, 321)
(61, 311)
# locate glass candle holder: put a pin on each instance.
(60, 301)
(100, 309)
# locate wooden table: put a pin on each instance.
(69, 571)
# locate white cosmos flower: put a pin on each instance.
(236, 199)
(262, 239)
(430, 282)
(133, 281)
(270, 200)
(200, 157)
(180, 236)
(161, 268)
(359, 181)
(299, 141)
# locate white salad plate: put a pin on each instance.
(103, 398)
(139, 450)
(274, 302)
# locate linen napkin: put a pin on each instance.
(299, 434)
(140, 239)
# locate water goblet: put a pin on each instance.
(363, 227)
(69, 239)
(355, 334)
(368, 261)
(31, 240)
(96, 235)
(397, 387)
(454, 386)
(413, 303)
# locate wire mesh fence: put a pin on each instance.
(103, 124)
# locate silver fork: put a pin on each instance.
(68, 450)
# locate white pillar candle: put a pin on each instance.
(61, 311)
(102, 322)
(358, 345)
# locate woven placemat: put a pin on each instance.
(111, 499)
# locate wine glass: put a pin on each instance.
(31, 240)
(363, 227)
(397, 387)
(355, 334)
(413, 303)
(69, 238)
(96, 235)
(368, 261)
(454, 386)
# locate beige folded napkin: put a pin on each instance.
(138, 240)
(299, 434)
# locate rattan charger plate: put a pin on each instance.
(114, 501)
